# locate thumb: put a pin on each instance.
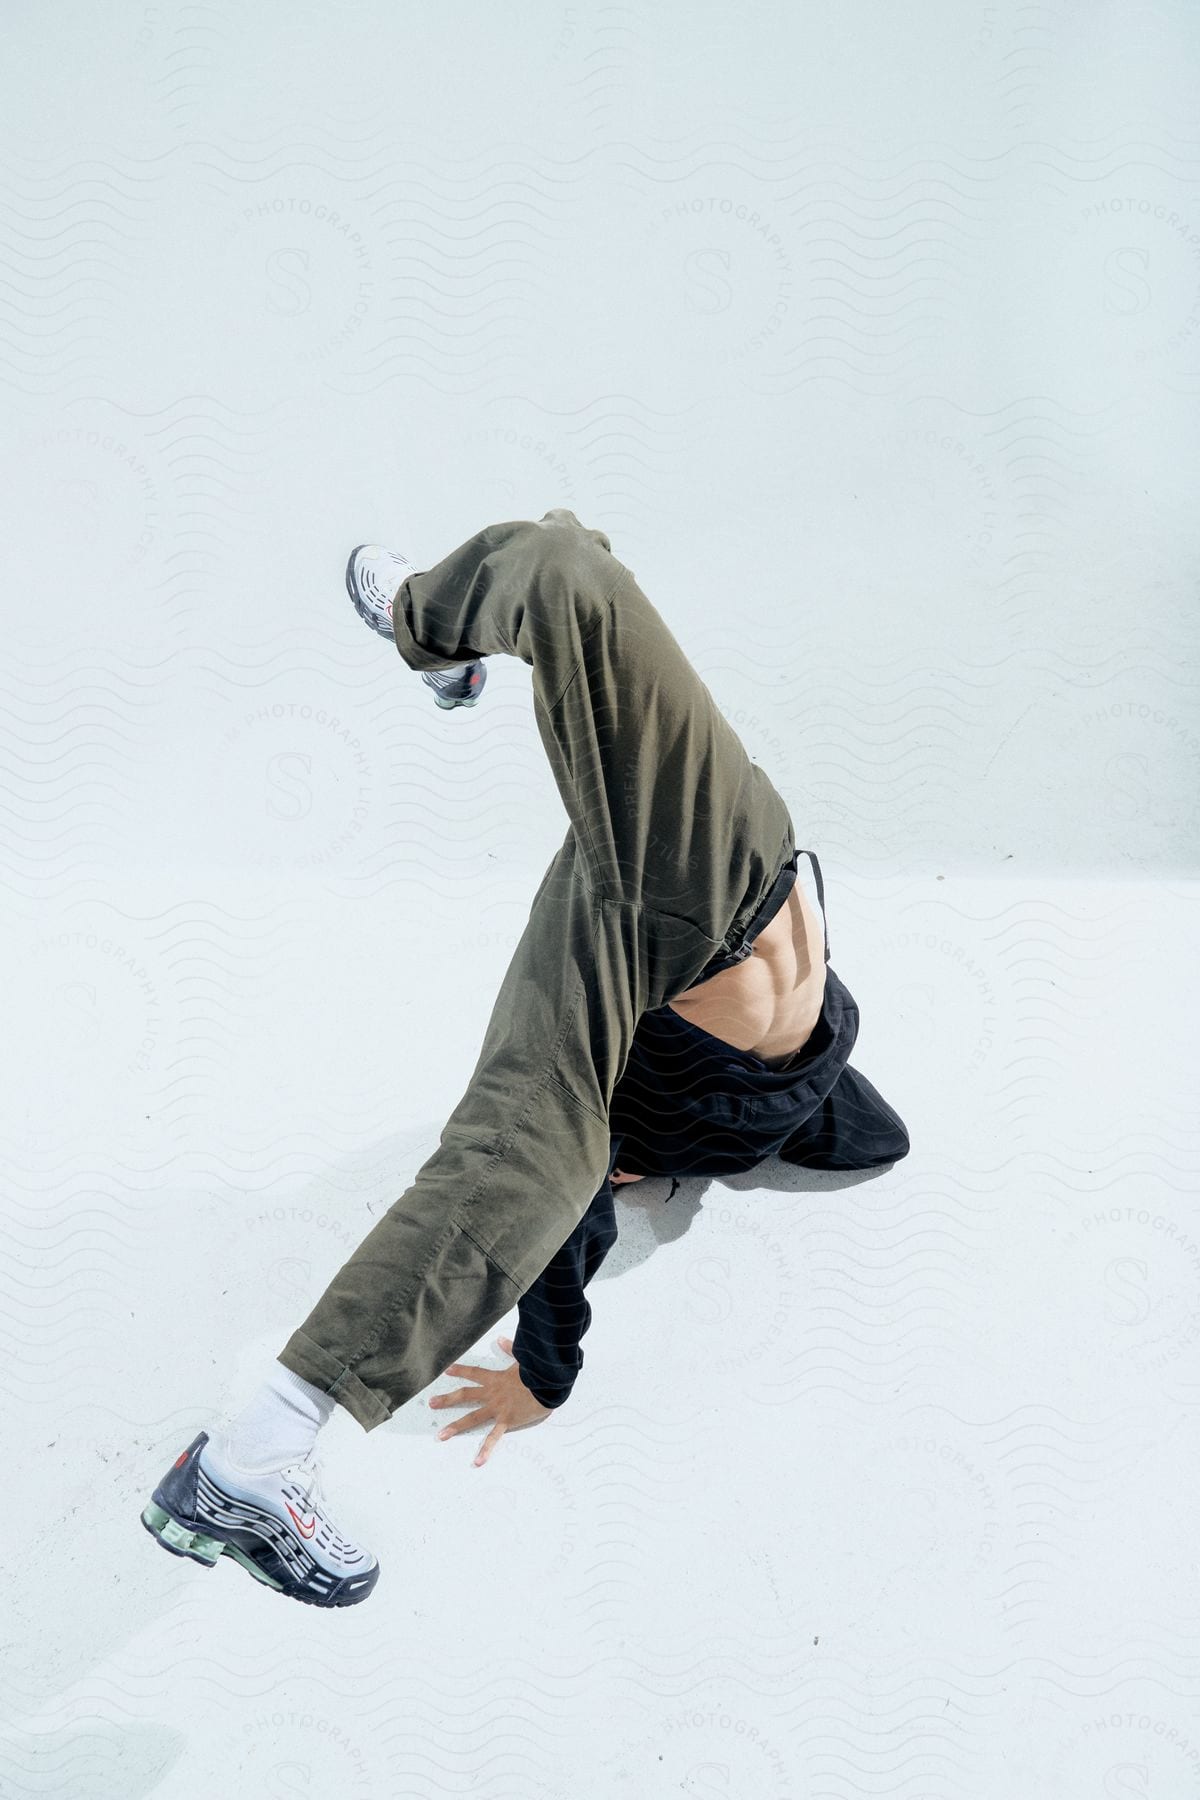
(506, 1345)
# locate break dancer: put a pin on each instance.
(668, 1010)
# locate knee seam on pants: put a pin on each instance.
(487, 1251)
(574, 1098)
(491, 1257)
(605, 603)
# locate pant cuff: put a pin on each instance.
(414, 654)
(304, 1357)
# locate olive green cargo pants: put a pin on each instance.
(675, 837)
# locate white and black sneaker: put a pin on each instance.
(374, 577)
(273, 1522)
(458, 686)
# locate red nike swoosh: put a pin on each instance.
(301, 1527)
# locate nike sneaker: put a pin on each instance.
(374, 576)
(274, 1522)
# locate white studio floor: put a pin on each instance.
(868, 335)
(909, 1456)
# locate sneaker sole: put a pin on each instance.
(451, 705)
(365, 613)
(202, 1547)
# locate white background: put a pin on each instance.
(871, 336)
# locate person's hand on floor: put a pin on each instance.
(500, 1395)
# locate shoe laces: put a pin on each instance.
(309, 1471)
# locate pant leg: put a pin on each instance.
(852, 1128)
(668, 810)
(674, 838)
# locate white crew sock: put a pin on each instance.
(280, 1424)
